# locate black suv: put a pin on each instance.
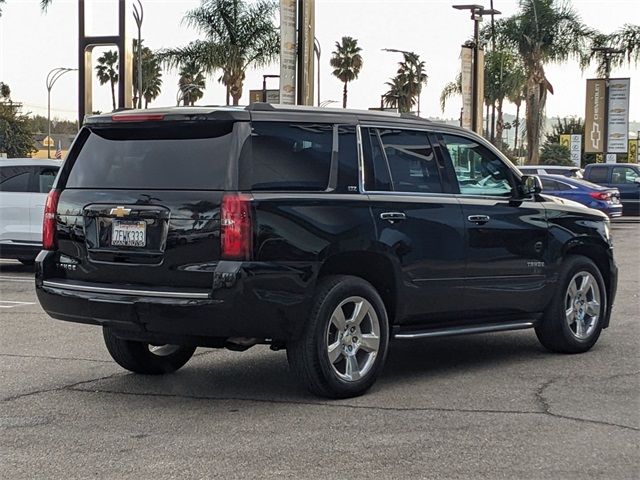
(328, 233)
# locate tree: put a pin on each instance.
(151, 75)
(406, 86)
(450, 90)
(16, 137)
(555, 154)
(543, 31)
(191, 83)
(516, 97)
(238, 35)
(107, 72)
(347, 63)
(627, 39)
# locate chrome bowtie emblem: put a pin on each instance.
(120, 211)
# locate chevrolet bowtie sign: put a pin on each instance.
(595, 116)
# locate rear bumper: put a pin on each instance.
(246, 300)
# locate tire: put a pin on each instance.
(138, 357)
(27, 261)
(561, 329)
(359, 352)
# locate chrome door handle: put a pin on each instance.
(479, 219)
(393, 217)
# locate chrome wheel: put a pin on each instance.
(582, 305)
(353, 338)
(163, 350)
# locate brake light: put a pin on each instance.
(235, 227)
(606, 196)
(144, 117)
(49, 220)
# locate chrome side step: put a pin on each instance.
(465, 330)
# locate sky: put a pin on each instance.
(32, 43)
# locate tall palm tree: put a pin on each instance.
(237, 35)
(107, 72)
(347, 63)
(543, 31)
(516, 97)
(627, 39)
(405, 88)
(151, 75)
(191, 83)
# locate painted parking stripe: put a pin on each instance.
(12, 304)
(16, 279)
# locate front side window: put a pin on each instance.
(15, 179)
(623, 175)
(412, 161)
(478, 170)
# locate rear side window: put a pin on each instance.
(46, 177)
(15, 178)
(411, 161)
(155, 156)
(290, 156)
(550, 185)
(598, 175)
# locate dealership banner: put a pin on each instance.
(618, 115)
(288, 48)
(466, 78)
(595, 116)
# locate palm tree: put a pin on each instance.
(626, 39)
(191, 83)
(406, 86)
(451, 89)
(543, 31)
(237, 35)
(516, 97)
(151, 75)
(347, 63)
(107, 71)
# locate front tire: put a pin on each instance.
(345, 341)
(144, 358)
(573, 322)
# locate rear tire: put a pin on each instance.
(344, 345)
(573, 321)
(140, 357)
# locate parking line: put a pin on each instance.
(12, 304)
(15, 279)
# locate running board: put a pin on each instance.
(465, 330)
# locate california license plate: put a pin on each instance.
(128, 234)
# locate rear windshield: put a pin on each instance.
(181, 157)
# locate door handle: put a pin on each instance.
(479, 219)
(393, 217)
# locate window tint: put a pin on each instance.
(623, 175)
(171, 156)
(411, 161)
(290, 156)
(15, 179)
(479, 171)
(46, 176)
(563, 186)
(598, 174)
(347, 159)
(376, 170)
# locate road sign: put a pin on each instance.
(612, 158)
(576, 149)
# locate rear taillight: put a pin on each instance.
(235, 227)
(49, 221)
(605, 196)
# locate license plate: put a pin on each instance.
(128, 234)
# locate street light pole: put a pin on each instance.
(52, 78)
(318, 50)
(477, 11)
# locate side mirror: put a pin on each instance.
(530, 185)
(636, 180)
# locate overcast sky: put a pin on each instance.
(32, 43)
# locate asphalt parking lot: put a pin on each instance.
(484, 406)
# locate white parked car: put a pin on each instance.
(24, 184)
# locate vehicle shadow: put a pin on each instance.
(264, 375)
(10, 266)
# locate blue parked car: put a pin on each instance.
(605, 199)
